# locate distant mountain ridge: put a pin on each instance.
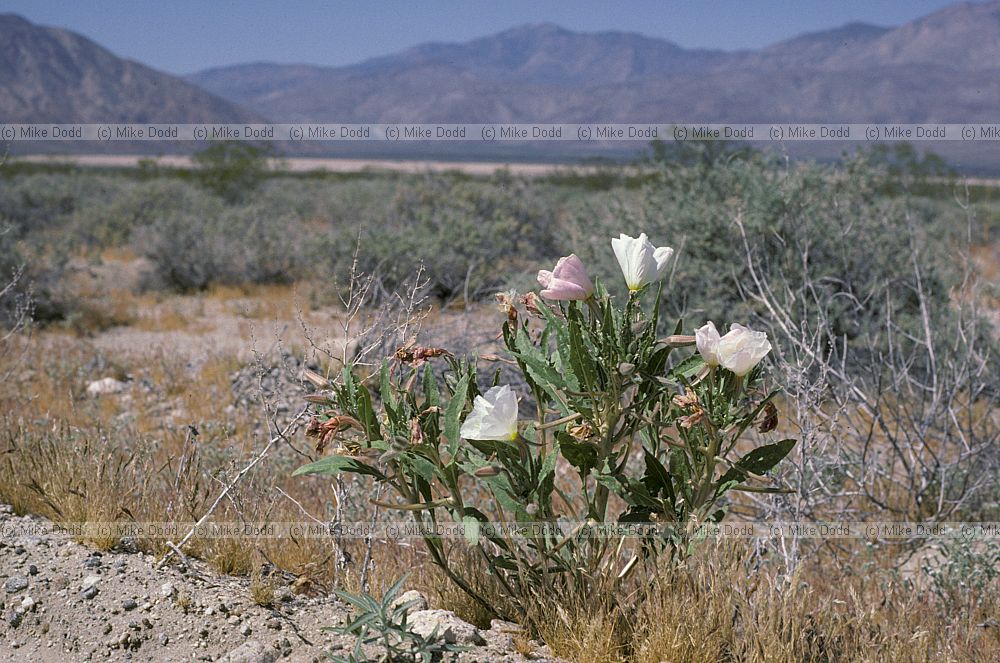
(53, 75)
(944, 67)
(543, 73)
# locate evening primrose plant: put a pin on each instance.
(624, 450)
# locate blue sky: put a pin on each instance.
(185, 36)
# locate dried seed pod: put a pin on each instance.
(767, 421)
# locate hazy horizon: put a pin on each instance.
(326, 34)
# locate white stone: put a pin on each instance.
(449, 627)
(252, 651)
(106, 386)
(90, 581)
(418, 599)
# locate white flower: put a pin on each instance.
(707, 339)
(493, 416)
(641, 262)
(742, 349)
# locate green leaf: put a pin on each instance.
(422, 467)
(581, 357)
(758, 461)
(690, 367)
(453, 414)
(431, 392)
(334, 465)
(657, 479)
(366, 412)
(679, 468)
(471, 530)
(581, 455)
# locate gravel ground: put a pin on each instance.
(62, 601)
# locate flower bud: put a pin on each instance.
(488, 471)
(707, 340)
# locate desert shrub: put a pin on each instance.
(111, 221)
(829, 226)
(335, 205)
(232, 169)
(467, 235)
(32, 202)
(222, 246)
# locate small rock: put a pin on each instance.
(90, 592)
(14, 618)
(92, 563)
(105, 386)
(28, 604)
(164, 639)
(449, 627)
(273, 623)
(129, 605)
(419, 601)
(106, 629)
(32, 570)
(15, 584)
(90, 581)
(251, 651)
(234, 620)
(246, 630)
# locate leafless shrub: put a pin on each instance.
(912, 433)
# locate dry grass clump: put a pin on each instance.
(728, 604)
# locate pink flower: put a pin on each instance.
(567, 282)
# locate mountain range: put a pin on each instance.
(944, 67)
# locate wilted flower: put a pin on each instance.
(493, 416)
(741, 349)
(505, 302)
(418, 355)
(533, 304)
(707, 339)
(567, 282)
(327, 430)
(641, 262)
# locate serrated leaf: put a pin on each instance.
(431, 392)
(453, 414)
(334, 465)
(690, 367)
